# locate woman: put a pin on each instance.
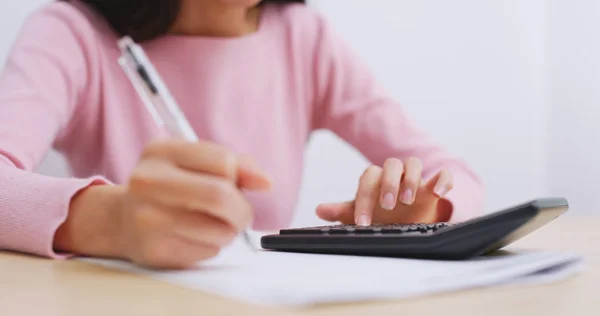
(253, 78)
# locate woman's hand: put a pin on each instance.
(395, 193)
(183, 203)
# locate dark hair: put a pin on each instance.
(144, 20)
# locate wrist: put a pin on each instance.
(92, 225)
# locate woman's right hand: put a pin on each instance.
(183, 203)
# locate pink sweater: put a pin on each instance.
(261, 94)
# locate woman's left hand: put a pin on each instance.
(394, 194)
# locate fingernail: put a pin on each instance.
(388, 202)
(407, 196)
(440, 190)
(363, 220)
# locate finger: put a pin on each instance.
(247, 160)
(199, 227)
(172, 252)
(413, 169)
(390, 183)
(441, 184)
(247, 176)
(337, 212)
(176, 188)
(367, 195)
(201, 157)
(205, 157)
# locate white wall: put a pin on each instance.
(473, 72)
(574, 157)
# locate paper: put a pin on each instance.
(292, 279)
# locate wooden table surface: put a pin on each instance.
(34, 286)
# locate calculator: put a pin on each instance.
(435, 241)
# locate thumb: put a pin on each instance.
(337, 212)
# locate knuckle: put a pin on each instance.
(147, 217)
(363, 193)
(155, 148)
(373, 169)
(221, 193)
(414, 162)
(370, 177)
(410, 183)
(144, 176)
(191, 204)
(155, 252)
(393, 174)
(390, 185)
(224, 155)
(393, 163)
(229, 161)
(204, 145)
(230, 204)
(390, 181)
(140, 178)
(369, 173)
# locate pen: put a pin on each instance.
(156, 97)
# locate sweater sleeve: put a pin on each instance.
(40, 87)
(350, 103)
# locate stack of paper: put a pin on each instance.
(292, 279)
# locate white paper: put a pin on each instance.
(292, 279)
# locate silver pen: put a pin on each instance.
(155, 95)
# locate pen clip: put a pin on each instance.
(127, 63)
(154, 93)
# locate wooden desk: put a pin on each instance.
(33, 286)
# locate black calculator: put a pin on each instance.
(437, 241)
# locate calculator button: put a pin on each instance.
(342, 230)
(375, 229)
(441, 226)
(413, 228)
(395, 230)
(368, 230)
